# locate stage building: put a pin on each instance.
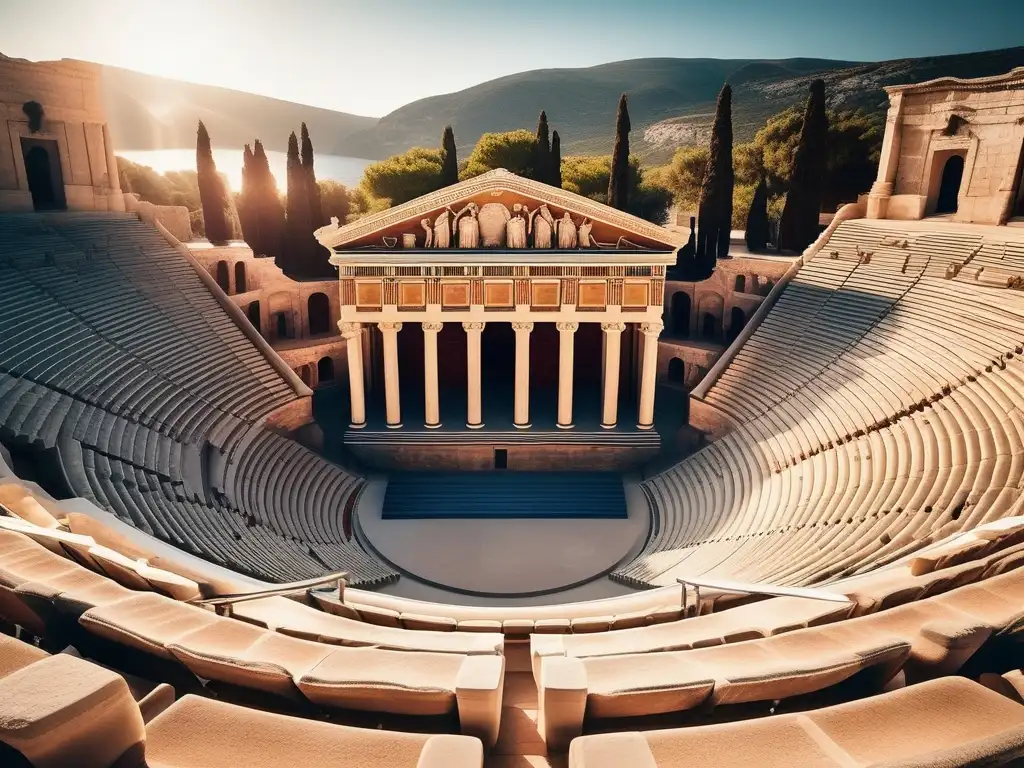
(502, 322)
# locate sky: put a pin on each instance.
(370, 57)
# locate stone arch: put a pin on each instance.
(223, 276)
(241, 285)
(318, 307)
(43, 173)
(676, 371)
(282, 316)
(737, 319)
(710, 310)
(680, 313)
(253, 313)
(325, 370)
(740, 285)
(949, 184)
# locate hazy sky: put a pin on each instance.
(371, 56)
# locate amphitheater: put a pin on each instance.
(822, 566)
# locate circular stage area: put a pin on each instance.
(503, 557)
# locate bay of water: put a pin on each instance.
(346, 170)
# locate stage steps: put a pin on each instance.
(503, 495)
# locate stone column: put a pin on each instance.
(521, 411)
(881, 190)
(432, 402)
(392, 397)
(649, 374)
(116, 200)
(566, 340)
(474, 406)
(353, 333)
(610, 391)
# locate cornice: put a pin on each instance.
(1011, 79)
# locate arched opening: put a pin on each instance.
(253, 312)
(707, 327)
(741, 284)
(949, 187)
(223, 279)
(676, 371)
(281, 323)
(325, 370)
(240, 286)
(681, 314)
(737, 319)
(42, 170)
(319, 308)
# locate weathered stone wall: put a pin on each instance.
(174, 218)
(73, 118)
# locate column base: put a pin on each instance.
(480, 425)
(353, 425)
(565, 426)
(433, 426)
(609, 426)
(527, 425)
(645, 426)
(395, 426)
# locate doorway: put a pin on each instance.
(949, 186)
(42, 170)
(501, 458)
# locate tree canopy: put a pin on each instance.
(799, 226)
(512, 150)
(403, 177)
(212, 191)
(714, 218)
(449, 158)
(588, 175)
(618, 179)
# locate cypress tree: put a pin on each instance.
(449, 160)
(757, 219)
(714, 209)
(269, 209)
(297, 222)
(542, 150)
(799, 225)
(212, 194)
(316, 211)
(555, 178)
(247, 216)
(618, 177)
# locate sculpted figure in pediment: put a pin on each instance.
(468, 227)
(542, 225)
(442, 230)
(493, 219)
(585, 239)
(429, 236)
(515, 228)
(566, 232)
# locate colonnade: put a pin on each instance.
(521, 403)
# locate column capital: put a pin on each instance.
(652, 329)
(568, 326)
(350, 330)
(389, 327)
(613, 327)
(522, 327)
(468, 327)
(434, 327)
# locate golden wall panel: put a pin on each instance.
(368, 293)
(498, 294)
(455, 295)
(545, 294)
(412, 294)
(592, 295)
(348, 292)
(635, 294)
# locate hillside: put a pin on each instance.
(147, 112)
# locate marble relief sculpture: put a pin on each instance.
(442, 230)
(542, 225)
(429, 230)
(468, 228)
(584, 238)
(493, 220)
(566, 232)
(515, 228)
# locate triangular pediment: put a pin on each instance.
(490, 196)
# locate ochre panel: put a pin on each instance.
(497, 294)
(634, 295)
(592, 295)
(368, 294)
(412, 294)
(545, 294)
(455, 294)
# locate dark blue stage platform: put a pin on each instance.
(504, 495)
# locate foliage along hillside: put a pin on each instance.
(147, 112)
